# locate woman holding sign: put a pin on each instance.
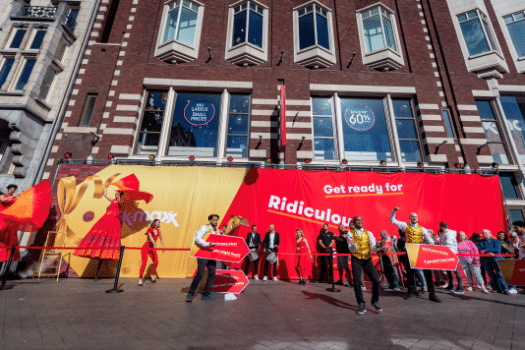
(148, 248)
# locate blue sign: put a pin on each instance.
(360, 119)
(199, 113)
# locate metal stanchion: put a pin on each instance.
(4, 278)
(333, 289)
(115, 286)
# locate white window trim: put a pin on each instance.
(171, 100)
(247, 54)
(519, 62)
(386, 58)
(19, 71)
(3, 61)
(12, 37)
(335, 126)
(395, 146)
(314, 56)
(490, 64)
(173, 50)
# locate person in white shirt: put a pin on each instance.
(271, 245)
(203, 264)
(415, 234)
(361, 244)
(448, 238)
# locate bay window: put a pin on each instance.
(514, 108)
(477, 33)
(516, 26)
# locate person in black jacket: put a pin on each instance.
(253, 241)
(341, 247)
(271, 245)
(325, 242)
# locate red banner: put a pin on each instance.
(283, 117)
(513, 271)
(229, 281)
(227, 248)
(298, 199)
(423, 256)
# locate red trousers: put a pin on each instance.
(147, 249)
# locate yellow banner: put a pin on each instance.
(183, 197)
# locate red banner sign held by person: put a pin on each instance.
(513, 271)
(422, 256)
(227, 248)
(229, 281)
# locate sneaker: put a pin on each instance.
(208, 297)
(485, 290)
(189, 297)
(425, 289)
(444, 286)
(409, 296)
(470, 289)
(458, 291)
(376, 305)
(513, 291)
(265, 278)
(434, 298)
(141, 282)
(397, 288)
(275, 279)
(256, 277)
(361, 310)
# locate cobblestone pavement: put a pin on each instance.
(78, 314)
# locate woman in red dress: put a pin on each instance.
(8, 232)
(103, 240)
(303, 250)
(153, 233)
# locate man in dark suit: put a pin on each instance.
(271, 245)
(253, 241)
(325, 242)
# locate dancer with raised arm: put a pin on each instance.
(415, 234)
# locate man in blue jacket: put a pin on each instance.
(492, 246)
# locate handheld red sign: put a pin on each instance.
(227, 248)
(513, 271)
(422, 256)
(229, 281)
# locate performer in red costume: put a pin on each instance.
(153, 233)
(8, 232)
(303, 251)
(103, 240)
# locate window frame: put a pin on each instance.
(335, 127)
(3, 62)
(486, 27)
(174, 50)
(51, 88)
(84, 121)
(222, 129)
(249, 114)
(382, 13)
(512, 15)
(416, 129)
(315, 56)
(12, 38)
(246, 53)
(21, 68)
(503, 137)
(31, 40)
(141, 120)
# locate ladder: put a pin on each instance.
(50, 259)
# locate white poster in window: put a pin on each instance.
(199, 113)
(360, 119)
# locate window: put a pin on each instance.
(149, 134)
(365, 131)
(323, 127)
(378, 30)
(314, 42)
(197, 125)
(180, 30)
(7, 64)
(516, 27)
(493, 132)
(477, 33)
(448, 123)
(61, 50)
(26, 73)
(514, 108)
(248, 24)
(17, 38)
(516, 214)
(407, 131)
(49, 77)
(379, 38)
(247, 32)
(237, 138)
(87, 110)
(38, 39)
(509, 186)
(181, 22)
(313, 27)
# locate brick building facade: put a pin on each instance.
(406, 83)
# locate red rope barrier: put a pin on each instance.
(101, 248)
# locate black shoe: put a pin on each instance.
(304, 281)
(189, 297)
(361, 310)
(449, 289)
(300, 281)
(434, 298)
(339, 283)
(409, 296)
(208, 297)
(376, 305)
(458, 291)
